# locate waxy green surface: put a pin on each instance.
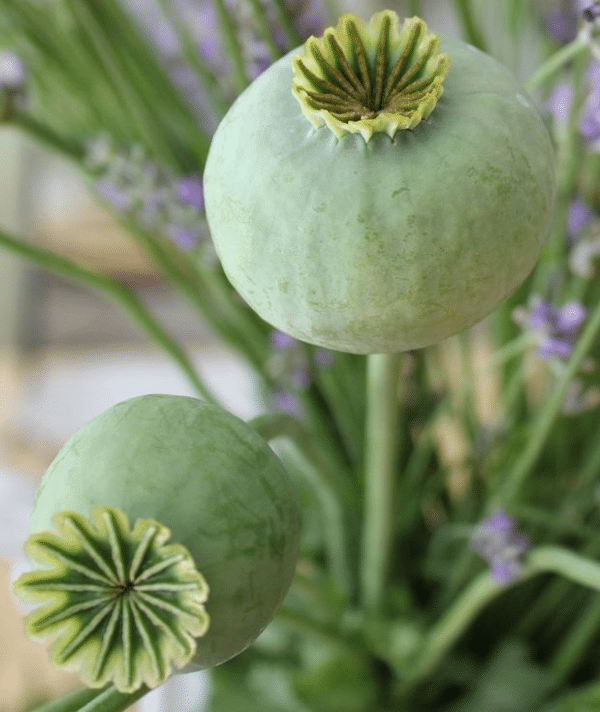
(212, 481)
(390, 244)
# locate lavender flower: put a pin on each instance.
(288, 403)
(290, 363)
(589, 10)
(556, 329)
(12, 84)
(497, 541)
(12, 71)
(559, 104)
(190, 192)
(579, 218)
(185, 238)
(158, 200)
(589, 121)
(562, 24)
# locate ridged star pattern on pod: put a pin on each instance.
(123, 606)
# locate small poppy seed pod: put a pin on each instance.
(379, 189)
(165, 535)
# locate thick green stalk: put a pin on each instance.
(262, 24)
(193, 59)
(102, 49)
(46, 136)
(123, 297)
(558, 60)
(292, 38)
(483, 590)
(107, 699)
(232, 43)
(381, 471)
(577, 640)
(469, 27)
(453, 623)
(329, 486)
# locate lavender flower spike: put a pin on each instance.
(190, 192)
(497, 541)
(557, 329)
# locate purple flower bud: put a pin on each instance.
(300, 378)
(557, 329)
(560, 102)
(190, 191)
(115, 196)
(589, 124)
(589, 10)
(498, 523)
(184, 237)
(287, 403)
(551, 347)
(579, 217)
(571, 317)
(542, 316)
(498, 542)
(281, 341)
(323, 358)
(12, 71)
(562, 25)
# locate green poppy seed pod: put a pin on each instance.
(379, 189)
(165, 534)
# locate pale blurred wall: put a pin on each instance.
(13, 217)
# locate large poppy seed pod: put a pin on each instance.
(165, 535)
(379, 189)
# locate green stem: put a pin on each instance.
(483, 590)
(262, 24)
(557, 61)
(193, 59)
(101, 46)
(469, 27)
(292, 38)
(107, 699)
(441, 637)
(323, 478)
(381, 451)
(45, 135)
(70, 702)
(232, 44)
(577, 640)
(548, 415)
(123, 297)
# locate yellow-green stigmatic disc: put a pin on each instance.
(163, 465)
(372, 232)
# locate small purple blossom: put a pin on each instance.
(114, 195)
(282, 341)
(184, 237)
(589, 120)
(580, 217)
(557, 329)
(323, 358)
(190, 192)
(497, 540)
(559, 104)
(590, 10)
(562, 24)
(12, 71)
(288, 403)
